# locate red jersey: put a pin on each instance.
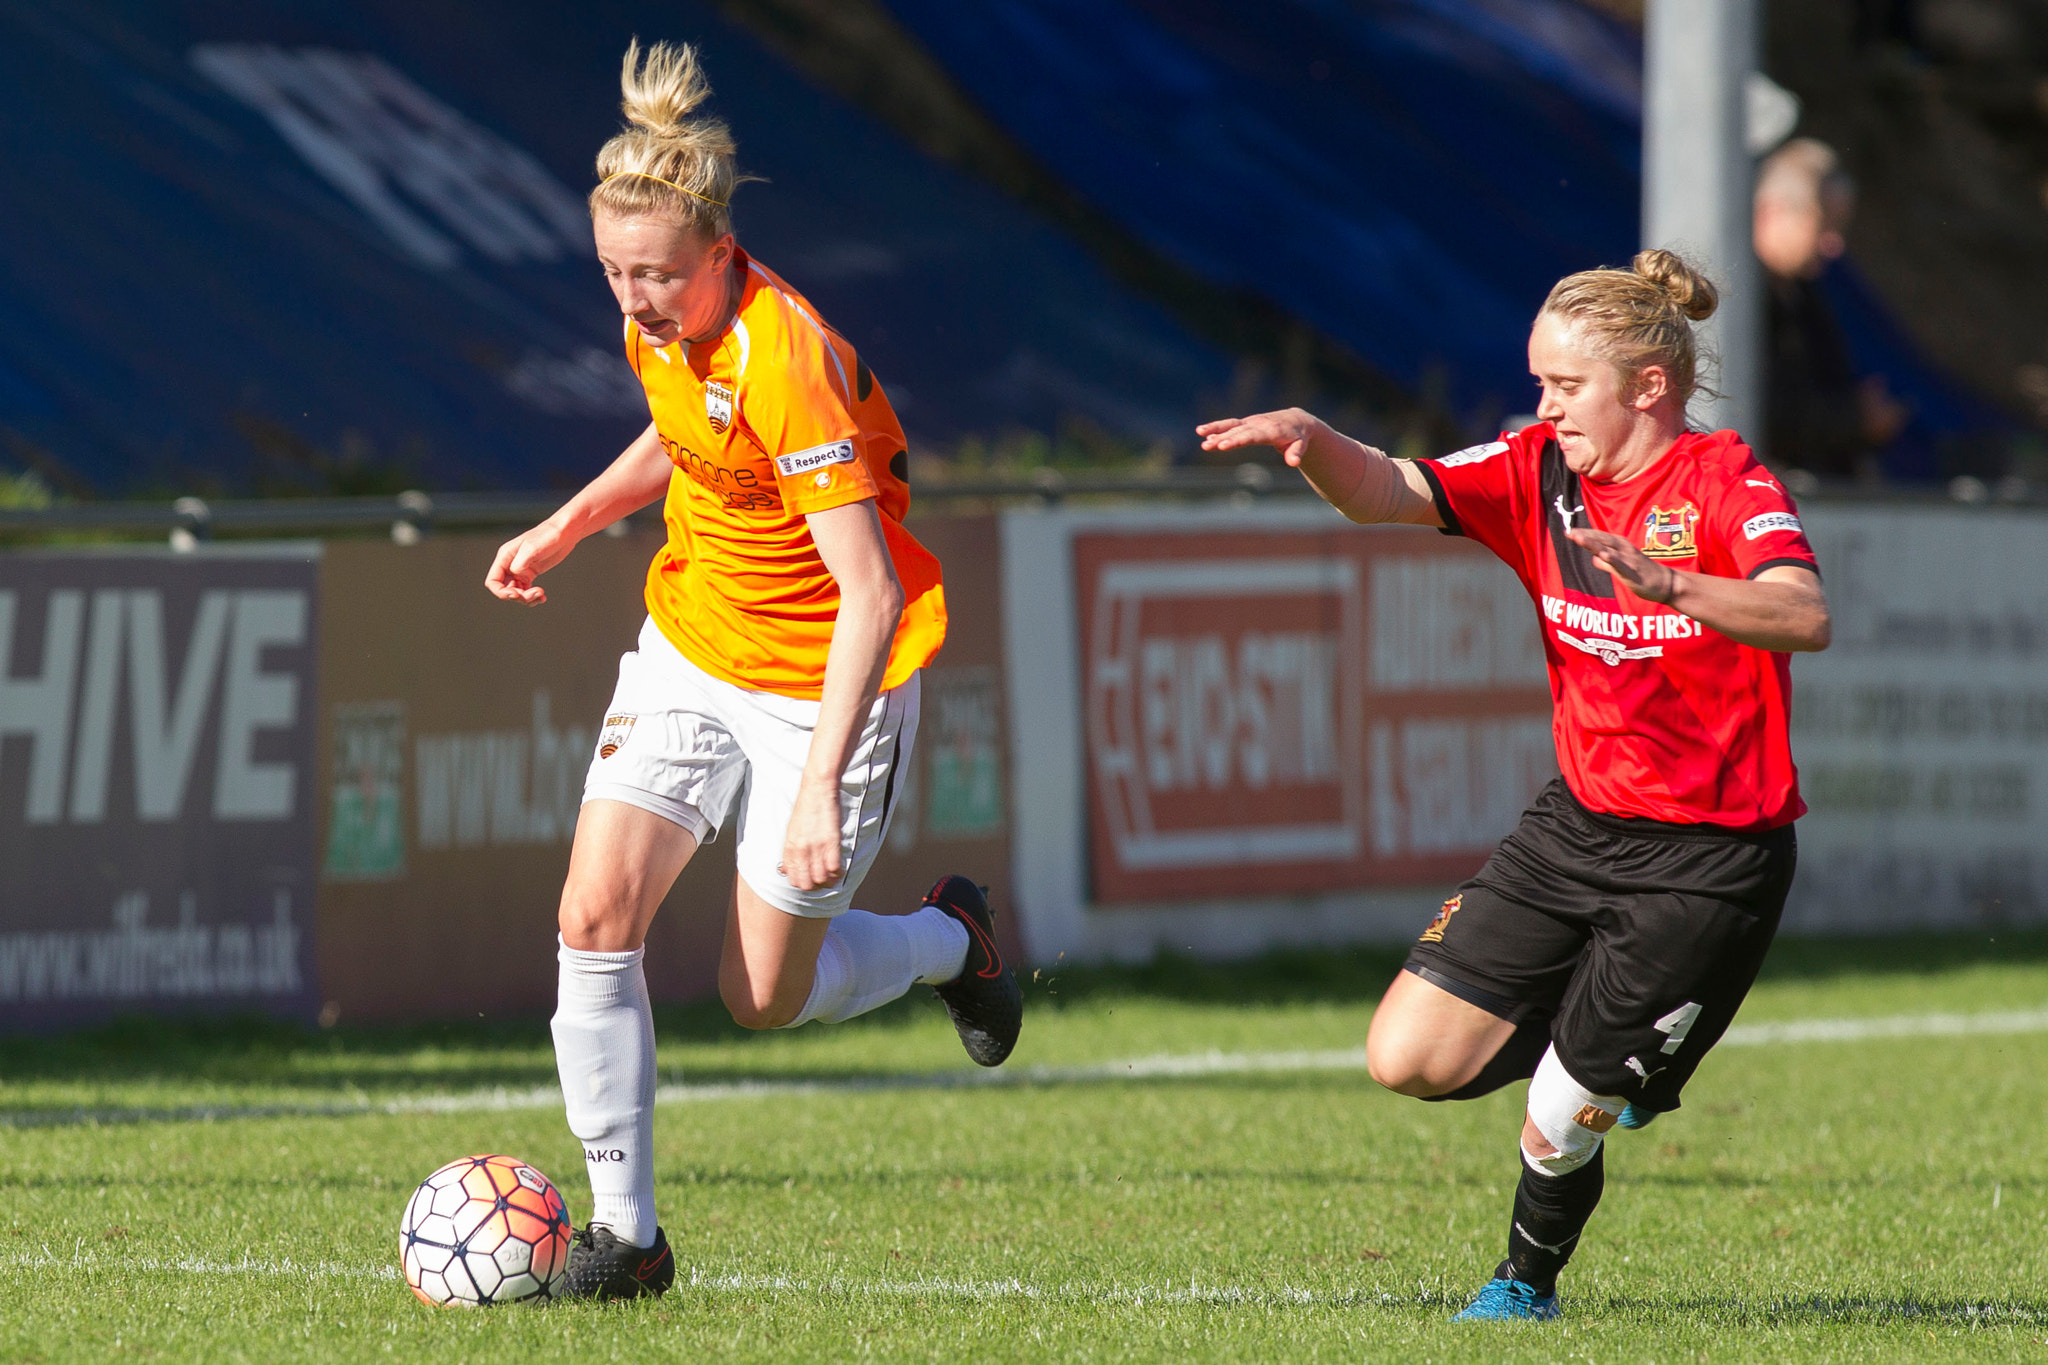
(1654, 714)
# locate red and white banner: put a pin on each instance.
(1282, 712)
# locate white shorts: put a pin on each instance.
(686, 746)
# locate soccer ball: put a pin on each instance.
(483, 1230)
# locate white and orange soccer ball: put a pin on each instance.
(483, 1230)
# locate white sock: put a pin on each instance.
(604, 1049)
(868, 960)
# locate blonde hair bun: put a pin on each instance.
(1642, 316)
(659, 92)
(665, 161)
(1693, 292)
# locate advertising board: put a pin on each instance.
(156, 784)
(1278, 712)
(1921, 734)
(1234, 727)
(455, 734)
(343, 783)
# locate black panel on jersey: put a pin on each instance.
(1563, 508)
(1793, 560)
(1444, 513)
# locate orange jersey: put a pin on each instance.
(775, 419)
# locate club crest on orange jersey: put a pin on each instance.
(717, 405)
(616, 731)
(1669, 535)
(1435, 932)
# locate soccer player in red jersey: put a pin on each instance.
(1608, 942)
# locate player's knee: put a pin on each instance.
(752, 1013)
(1572, 1120)
(1398, 1073)
(1396, 1061)
(594, 923)
(754, 1009)
(759, 1018)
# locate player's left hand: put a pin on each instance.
(811, 854)
(1291, 432)
(1644, 576)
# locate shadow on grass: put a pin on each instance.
(250, 1050)
(479, 1054)
(451, 1092)
(1830, 1309)
(1359, 975)
(1442, 1301)
(1918, 954)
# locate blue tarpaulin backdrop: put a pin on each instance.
(185, 293)
(1411, 176)
(260, 245)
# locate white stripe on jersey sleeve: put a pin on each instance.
(1472, 454)
(845, 389)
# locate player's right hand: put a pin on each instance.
(525, 558)
(1290, 431)
(812, 856)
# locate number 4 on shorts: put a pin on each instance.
(1678, 1023)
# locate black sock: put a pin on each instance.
(1550, 1213)
(1515, 1061)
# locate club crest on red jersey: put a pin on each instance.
(1435, 932)
(1669, 535)
(717, 405)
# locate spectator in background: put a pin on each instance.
(1820, 418)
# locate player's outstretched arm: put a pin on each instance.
(1782, 608)
(1364, 484)
(636, 478)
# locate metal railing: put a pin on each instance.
(190, 520)
(186, 522)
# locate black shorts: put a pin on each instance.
(1634, 940)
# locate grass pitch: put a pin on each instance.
(1868, 1199)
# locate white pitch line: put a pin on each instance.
(839, 1286)
(1165, 1066)
(1194, 1293)
(1889, 1026)
(1162, 1066)
(79, 1259)
(998, 1290)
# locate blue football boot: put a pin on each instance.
(1635, 1116)
(1507, 1300)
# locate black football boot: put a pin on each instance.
(603, 1267)
(985, 1001)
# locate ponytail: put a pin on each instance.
(665, 162)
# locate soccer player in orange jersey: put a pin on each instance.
(788, 616)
